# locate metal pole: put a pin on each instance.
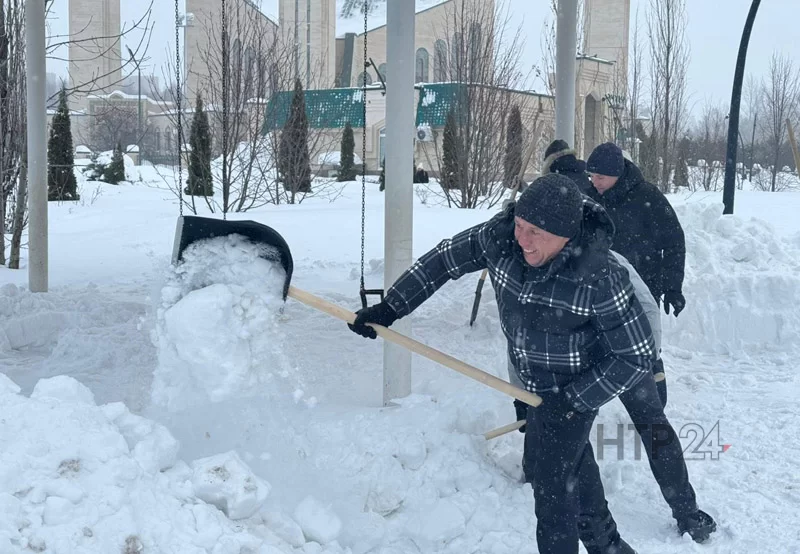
(400, 99)
(566, 51)
(37, 145)
(733, 123)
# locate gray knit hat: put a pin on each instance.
(553, 203)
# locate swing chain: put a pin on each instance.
(225, 93)
(178, 95)
(363, 291)
(364, 155)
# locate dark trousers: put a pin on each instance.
(662, 446)
(559, 463)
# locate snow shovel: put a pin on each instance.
(500, 431)
(193, 228)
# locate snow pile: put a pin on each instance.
(217, 328)
(83, 478)
(742, 285)
(28, 320)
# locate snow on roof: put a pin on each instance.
(267, 8)
(353, 20)
(595, 59)
(119, 95)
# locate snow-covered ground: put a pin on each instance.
(143, 411)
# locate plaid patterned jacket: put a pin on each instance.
(574, 324)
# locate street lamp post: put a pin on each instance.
(733, 123)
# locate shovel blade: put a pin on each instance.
(191, 228)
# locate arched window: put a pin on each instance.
(475, 48)
(422, 66)
(364, 76)
(382, 71)
(249, 67)
(457, 58)
(157, 139)
(440, 61)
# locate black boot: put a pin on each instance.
(699, 525)
(599, 534)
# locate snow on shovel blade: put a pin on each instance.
(191, 228)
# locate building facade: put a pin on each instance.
(308, 40)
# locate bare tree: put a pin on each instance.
(13, 132)
(102, 51)
(256, 59)
(669, 61)
(635, 84)
(710, 140)
(114, 124)
(752, 106)
(13, 181)
(484, 63)
(780, 91)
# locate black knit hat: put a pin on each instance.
(557, 145)
(553, 203)
(606, 159)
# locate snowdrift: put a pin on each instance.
(83, 478)
(742, 285)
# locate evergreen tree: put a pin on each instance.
(648, 157)
(115, 171)
(294, 167)
(682, 169)
(449, 177)
(347, 169)
(513, 161)
(200, 181)
(61, 182)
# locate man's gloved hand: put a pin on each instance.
(381, 313)
(676, 300)
(522, 412)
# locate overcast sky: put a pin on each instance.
(714, 30)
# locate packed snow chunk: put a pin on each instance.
(217, 329)
(152, 444)
(439, 525)
(284, 527)
(29, 319)
(228, 483)
(63, 388)
(319, 523)
(388, 485)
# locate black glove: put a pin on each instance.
(522, 412)
(675, 299)
(381, 313)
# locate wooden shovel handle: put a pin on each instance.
(406, 342)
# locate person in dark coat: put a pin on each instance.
(560, 158)
(576, 333)
(649, 235)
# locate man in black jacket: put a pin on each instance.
(649, 235)
(560, 158)
(576, 333)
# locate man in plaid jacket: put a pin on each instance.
(577, 336)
